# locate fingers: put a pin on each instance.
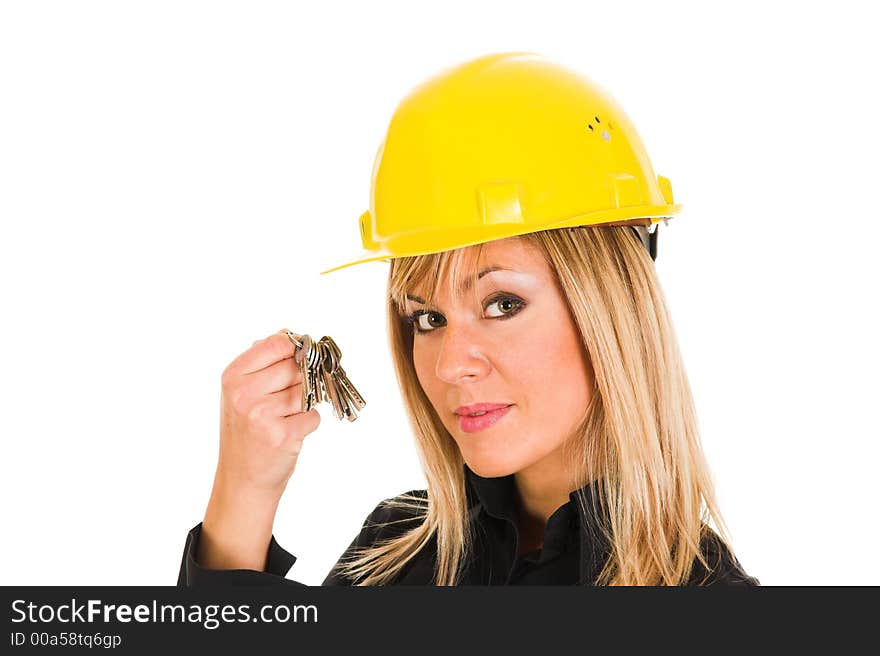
(297, 427)
(285, 402)
(270, 409)
(274, 378)
(284, 410)
(263, 353)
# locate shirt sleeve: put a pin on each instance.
(279, 561)
(384, 522)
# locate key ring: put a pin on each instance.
(323, 379)
(293, 337)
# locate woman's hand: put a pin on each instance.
(262, 430)
(261, 424)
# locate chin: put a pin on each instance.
(488, 468)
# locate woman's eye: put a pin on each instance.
(504, 306)
(425, 321)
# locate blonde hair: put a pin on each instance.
(638, 439)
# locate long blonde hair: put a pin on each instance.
(638, 438)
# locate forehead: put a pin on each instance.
(509, 253)
(512, 253)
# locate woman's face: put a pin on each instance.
(513, 354)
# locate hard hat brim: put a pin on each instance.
(470, 237)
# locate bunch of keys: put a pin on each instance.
(323, 378)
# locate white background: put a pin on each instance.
(173, 175)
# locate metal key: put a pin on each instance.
(314, 383)
(314, 368)
(343, 383)
(323, 393)
(329, 381)
(299, 359)
(348, 408)
(343, 406)
(342, 379)
(347, 405)
(350, 389)
(302, 359)
(323, 379)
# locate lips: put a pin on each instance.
(480, 416)
(479, 408)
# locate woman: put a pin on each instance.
(536, 357)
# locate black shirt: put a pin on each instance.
(573, 550)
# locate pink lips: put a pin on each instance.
(493, 414)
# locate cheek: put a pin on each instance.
(574, 372)
(423, 362)
(559, 377)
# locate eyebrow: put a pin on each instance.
(486, 271)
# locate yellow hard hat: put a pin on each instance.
(504, 145)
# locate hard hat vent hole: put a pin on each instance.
(605, 133)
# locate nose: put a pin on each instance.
(461, 357)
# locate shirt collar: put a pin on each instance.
(497, 496)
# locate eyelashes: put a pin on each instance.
(508, 306)
(417, 318)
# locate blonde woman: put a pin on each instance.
(534, 351)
